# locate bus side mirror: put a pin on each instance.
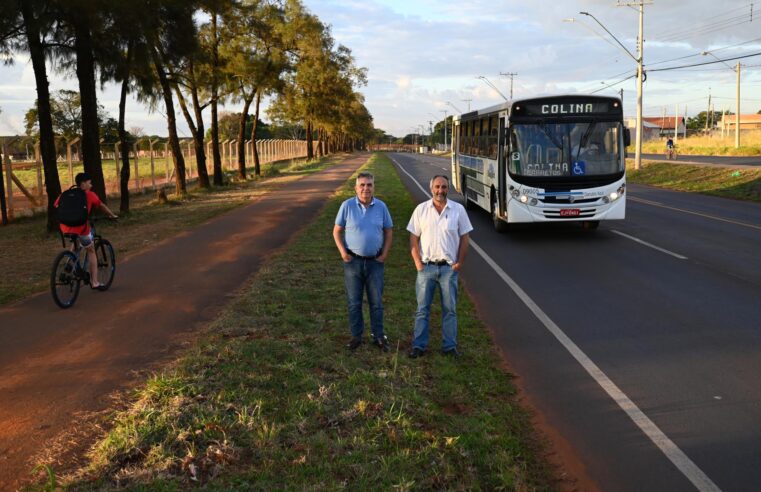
(627, 137)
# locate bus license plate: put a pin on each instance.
(570, 212)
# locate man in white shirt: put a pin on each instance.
(439, 233)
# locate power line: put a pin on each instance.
(705, 63)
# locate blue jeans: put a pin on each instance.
(425, 287)
(362, 276)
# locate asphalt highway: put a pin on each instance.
(638, 343)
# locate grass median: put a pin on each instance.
(739, 184)
(27, 250)
(269, 398)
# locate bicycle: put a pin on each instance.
(671, 153)
(70, 267)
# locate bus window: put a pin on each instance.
(493, 130)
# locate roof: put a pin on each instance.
(660, 121)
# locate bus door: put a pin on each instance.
(502, 152)
(455, 155)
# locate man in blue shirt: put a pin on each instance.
(362, 233)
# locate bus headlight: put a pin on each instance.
(533, 201)
(524, 199)
(514, 193)
(618, 193)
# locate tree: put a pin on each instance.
(37, 21)
(255, 55)
(83, 20)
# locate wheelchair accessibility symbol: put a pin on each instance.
(579, 168)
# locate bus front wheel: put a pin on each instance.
(468, 204)
(590, 225)
(499, 225)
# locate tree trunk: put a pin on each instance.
(320, 148)
(218, 177)
(179, 161)
(203, 173)
(47, 138)
(197, 132)
(310, 150)
(242, 136)
(257, 167)
(124, 174)
(89, 99)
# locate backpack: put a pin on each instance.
(72, 207)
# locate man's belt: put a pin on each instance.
(355, 255)
(437, 263)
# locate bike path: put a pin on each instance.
(58, 365)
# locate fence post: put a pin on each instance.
(166, 160)
(189, 166)
(38, 165)
(69, 145)
(138, 188)
(153, 168)
(8, 180)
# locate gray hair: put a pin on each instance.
(366, 176)
(430, 185)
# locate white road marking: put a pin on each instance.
(688, 468)
(649, 245)
(707, 216)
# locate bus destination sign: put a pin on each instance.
(567, 108)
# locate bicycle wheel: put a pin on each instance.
(106, 263)
(64, 283)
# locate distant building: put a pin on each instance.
(650, 131)
(747, 122)
(667, 124)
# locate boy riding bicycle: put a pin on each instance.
(84, 183)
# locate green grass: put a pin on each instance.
(709, 145)
(27, 250)
(740, 184)
(269, 399)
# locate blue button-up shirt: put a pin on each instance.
(364, 226)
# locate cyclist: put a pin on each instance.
(84, 182)
(670, 147)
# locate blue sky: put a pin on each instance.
(422, 54)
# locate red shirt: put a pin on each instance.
(83, 230)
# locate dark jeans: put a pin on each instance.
(362, 276)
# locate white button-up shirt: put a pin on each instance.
(439, 233)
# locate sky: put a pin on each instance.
(424, 57)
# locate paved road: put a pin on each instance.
(658, 316)
(58, 364)
(718, 160)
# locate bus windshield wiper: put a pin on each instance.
(585, 137)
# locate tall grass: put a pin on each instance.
(750, 144)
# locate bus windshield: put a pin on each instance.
(565, 149)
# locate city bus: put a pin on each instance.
(545, 159)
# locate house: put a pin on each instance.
(747, 122)
(666, 124)
(650, 131)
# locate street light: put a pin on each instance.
(455, 107)
(640, 76)
(488, 82)
(737, 96)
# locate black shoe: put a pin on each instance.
(415, 353)
(354, 343)
(453, 352)
(381, 343)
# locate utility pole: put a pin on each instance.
(676, 122)
(708, 110)
(737, 116)
(467, 101)
(640, 71)
(511, 75)
(446, 145)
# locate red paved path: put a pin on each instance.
(56, 363)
